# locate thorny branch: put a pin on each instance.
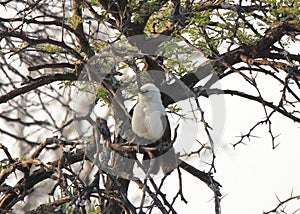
(280, 208)
(45, 46)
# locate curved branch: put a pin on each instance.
(35, 83)
(281, 203)
(33, 41)
(25, 185)
(54, 65)
(249, 97)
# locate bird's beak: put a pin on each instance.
(141, 91)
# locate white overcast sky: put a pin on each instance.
(253, 174)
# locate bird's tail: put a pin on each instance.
(167, 162)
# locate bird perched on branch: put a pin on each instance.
(150, 122)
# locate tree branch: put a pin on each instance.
(35, 83)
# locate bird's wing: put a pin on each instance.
(166, 137)
(166, 159)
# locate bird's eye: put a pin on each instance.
(142, 91)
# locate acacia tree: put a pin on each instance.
(46, 46)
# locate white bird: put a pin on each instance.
(150, 121)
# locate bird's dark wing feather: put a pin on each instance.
(164, 158)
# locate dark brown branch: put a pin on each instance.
(250, 97)
(163, 196)
(205, 177)
(33, 41)
(24, 185)
(35, 83)
(269, 104)
(18, 120)
(281, 203)
(8, 155)
(156, 200)
(80, 36)
(233, 7)
(23, 139)
(54, 65)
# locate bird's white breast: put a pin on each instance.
(146, 120)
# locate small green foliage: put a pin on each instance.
(98, 45)
(94, 2)
(179, 58)
(174, 108)
(281, 10)
(74, 21)
(159, 19)
(3, 164)
(293, 22)
(246, 38)
(145, 78)
(67, 83)
(122, 66)
(50, 49)
(103, 95)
